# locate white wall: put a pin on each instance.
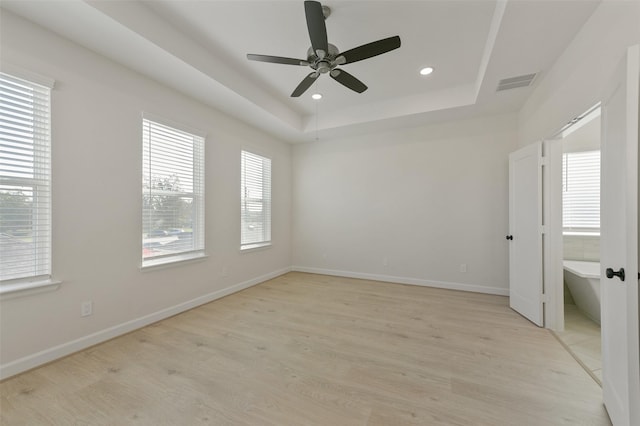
(577, 79)
(586, 138)
(422, 200)
(96, 133)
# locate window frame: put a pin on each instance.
(197, 251)
(267, 201)
(40, 187)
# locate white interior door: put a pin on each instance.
(619, 244)
(525, 232)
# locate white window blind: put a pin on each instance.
(25, 179)
(255, 201)
(172, 193)
(581, 191)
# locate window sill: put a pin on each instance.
(581, 233)
(255, 247)
(152, 264)
(27, 288)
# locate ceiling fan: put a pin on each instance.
(323, 57)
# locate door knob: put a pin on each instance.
(611, 273)
(509, 237)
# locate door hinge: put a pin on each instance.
(543, 229)
(543, 161)
(545, 298)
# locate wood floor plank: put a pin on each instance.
(305, 349)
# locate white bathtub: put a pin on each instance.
(583, 280)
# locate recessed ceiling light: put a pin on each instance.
(426, 71)
(316, 96)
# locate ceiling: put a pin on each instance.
(199, 47)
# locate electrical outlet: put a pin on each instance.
(463, 267)
(225, 271)
(385, 261)
(86, 308)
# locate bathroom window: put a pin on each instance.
(581, 192)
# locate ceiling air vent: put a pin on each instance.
(514, 82)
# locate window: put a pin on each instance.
(581, 192)
(255, 211)
(172, 194)
(25, 179)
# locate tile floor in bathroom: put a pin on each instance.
(582, 336)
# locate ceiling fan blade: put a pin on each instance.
(276, 59)
(348, 80)
(369, 50)
(317, 28)
(304, 84)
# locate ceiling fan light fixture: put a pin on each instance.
(426, 70)
(316, 96)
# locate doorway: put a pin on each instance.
(581, 336)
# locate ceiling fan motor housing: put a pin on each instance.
(325, 64)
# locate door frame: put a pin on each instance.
(552, 212)
(553, 240)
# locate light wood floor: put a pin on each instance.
(308, 349)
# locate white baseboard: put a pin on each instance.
(34, 360)
(405, 280)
